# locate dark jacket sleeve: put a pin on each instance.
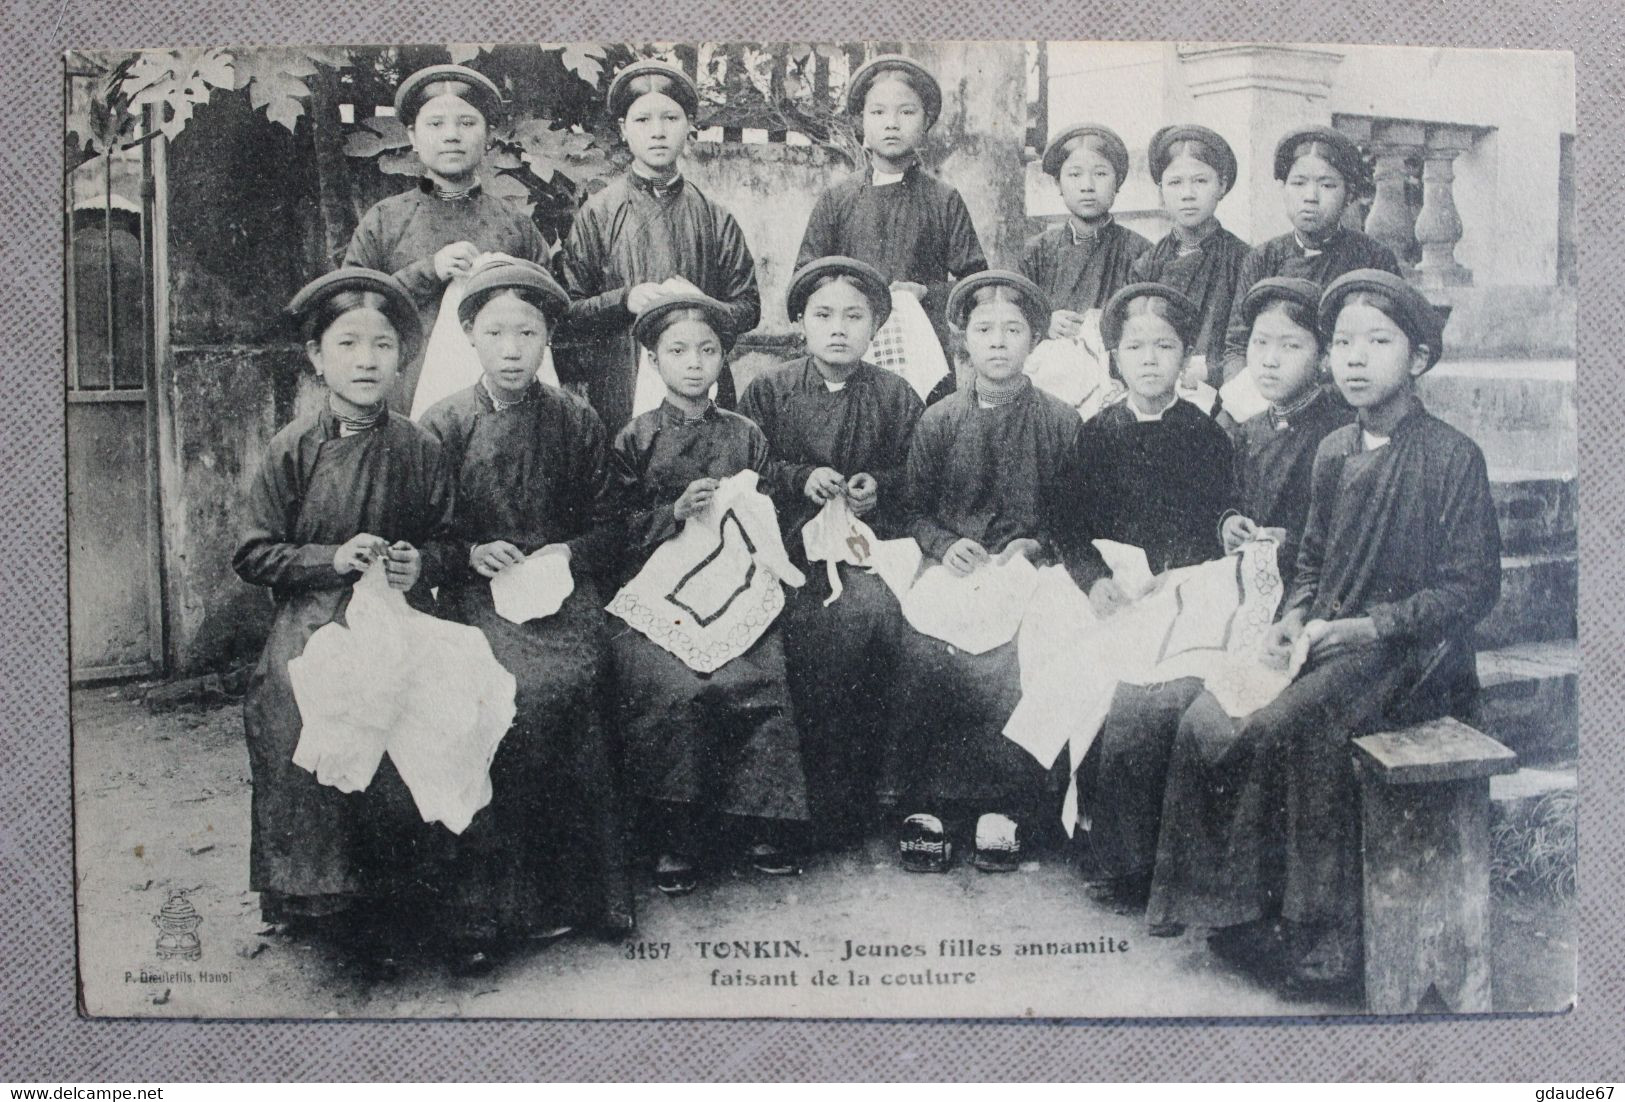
(266, 554)
(1312, 545)
(784, 480)
(1467, 578)
(1088, 512)
(456, 546)
(596, 550)
(582, 263)
(647, 523)
(440, 550)
(1236, 334)
(738, 271)
(372, 245)
(891, 477)
(965, 256)
(819, 240)
(927, 455)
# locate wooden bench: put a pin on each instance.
(1425, 794)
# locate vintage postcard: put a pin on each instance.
(842, 529)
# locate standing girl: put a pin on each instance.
(986, 475)
(435, 231)
(837, 426)
(530, 466)
(339, 489)
(1321, 172)
(646, 227)
(1194, 168)
(892, 214)
(1082, 262)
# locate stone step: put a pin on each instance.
(1539, 598)
(1520, 412)
(1529, 698)
(1537, 510)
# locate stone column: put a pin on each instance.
(1253, 94)
(1393, 142)
(1438, 225)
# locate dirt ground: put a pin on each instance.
(163, 805)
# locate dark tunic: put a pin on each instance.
(842, 656)
(1274, 462)
(401, 234)
(1209, 277)
(547, 850)
(313, 847)
(627, 234)
(917, 230)
(1348, 250)
(991, 475)
(1081, 272)
(724, 741)
(1161, 485)
(1263, 813)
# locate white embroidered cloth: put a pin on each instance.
(708, 593)
(907, 345)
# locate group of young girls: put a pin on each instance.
(841, 712)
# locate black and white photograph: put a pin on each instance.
(850, 529)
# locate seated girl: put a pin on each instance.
(1154, 472)
(698, 747)
(530, 466)
(339, 488)
(837, 426)
(1400, 558)
(985, 474)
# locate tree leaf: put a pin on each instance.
(464, 52)
(376, 135)
(399, 163)
(586, 62)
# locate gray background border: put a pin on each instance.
(41, 1038)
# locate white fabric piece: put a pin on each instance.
(534, 589)
(1199, 394)
(1208, 621)
(974, 612)
(450, 363)
(394, 680)
(835, 536)
(1068, 371)
(1241, 397)
(1131, 570)
(907, 345)
(708, 593)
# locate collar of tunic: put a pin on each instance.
(655, 187)
(671, 414)
(429, 188)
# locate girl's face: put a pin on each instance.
(1150, 357)
(510, 336)
(893, 118)
(997, 340)
(656, 131)
(1315, 195)
(358, 357)
(688, 357)
(1191, 190)
(838, 323)
(1283, 356)
(449, 137)
(1088, 184)
(1372, 358)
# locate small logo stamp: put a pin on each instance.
(177, 921)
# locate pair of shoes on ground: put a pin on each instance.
(678, 875)
(923, 844)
